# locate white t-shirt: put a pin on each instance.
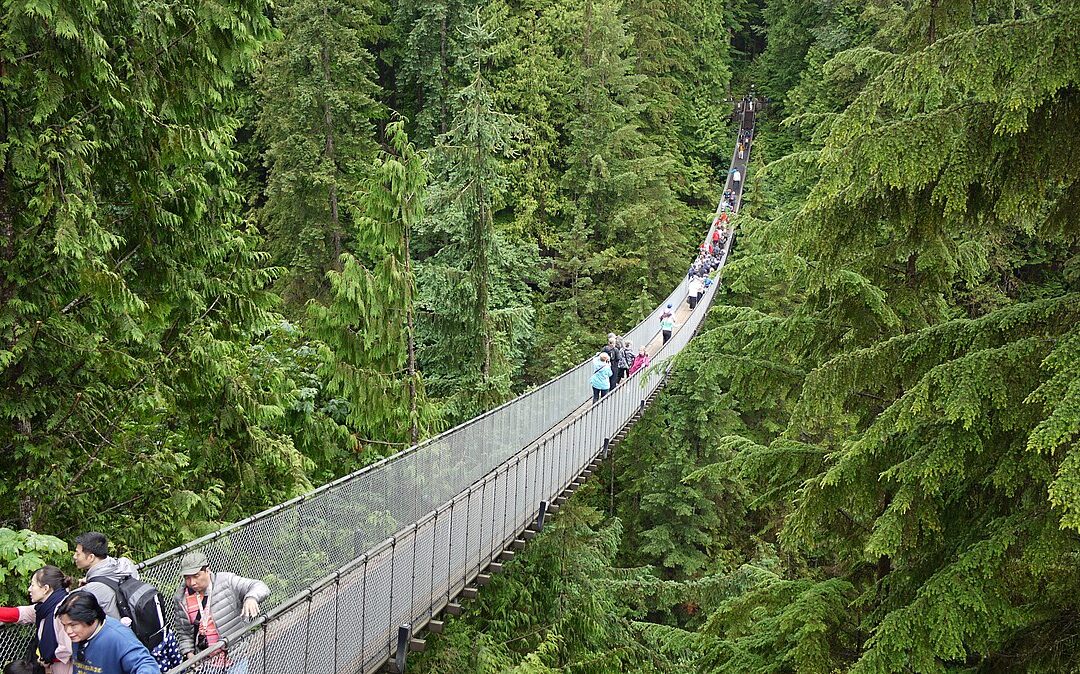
(736, 177)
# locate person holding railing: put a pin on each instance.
(48, 588)
(210, 606)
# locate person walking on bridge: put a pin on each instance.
(667, 324)
(614, 353)
(210, 606)
(601, 377)
(640, 361)
(695, 289)
(736, 181)
(627, 358)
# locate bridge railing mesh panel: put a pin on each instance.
(351, 619)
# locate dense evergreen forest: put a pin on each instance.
(249, 247)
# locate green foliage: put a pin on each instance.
(473, 285)
(559, 608)
(867, 461)
(369, 354)
(130, 289)
(21, 554)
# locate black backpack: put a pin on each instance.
(140, 603)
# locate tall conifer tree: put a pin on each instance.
(368, 327)
(319, 100)
(624, 211)
(472, 288)
(129, 289)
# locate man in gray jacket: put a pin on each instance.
(92, 556)
(210, 606)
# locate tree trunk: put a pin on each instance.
(586, 34)
(443, 74)
(7, 220)
(410, 336)
(933, 21)
(336, 235)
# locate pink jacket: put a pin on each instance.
(640, 361)
(63, 642)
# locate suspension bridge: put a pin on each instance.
(361, 567)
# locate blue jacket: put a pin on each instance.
(601, 378)
(114, 650)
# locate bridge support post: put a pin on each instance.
(607, 447)
(404, 634)
(540, 515)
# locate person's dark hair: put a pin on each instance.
(53, 577)
(24, 667)
(95, 543)
(82, 607)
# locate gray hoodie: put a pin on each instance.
(110, 568)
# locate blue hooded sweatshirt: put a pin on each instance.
(114, 649)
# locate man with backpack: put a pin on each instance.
(102, 571)
(121, 594)
(210, 606)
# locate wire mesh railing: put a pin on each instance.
(349, 620)
(385, 545)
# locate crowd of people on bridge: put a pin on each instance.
(111, 622)
(617, 361)
(614, 363)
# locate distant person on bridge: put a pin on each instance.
(92, 556)
(736, 180)
(601, 378)
(695, 289)
(210, 606)
(614, 353)
(628, 357)
(667, 324)
(641, 360)
(102, 643)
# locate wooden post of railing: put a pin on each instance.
(404, 634)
